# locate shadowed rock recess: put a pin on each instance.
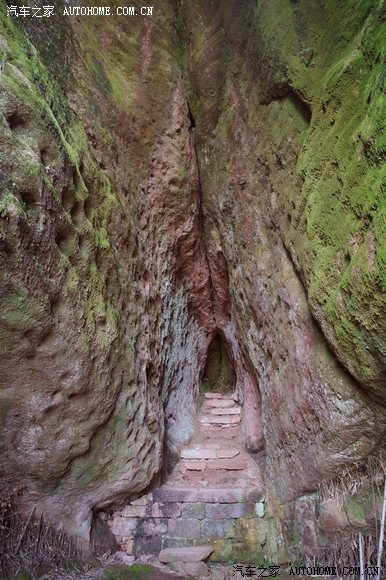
(192, 201)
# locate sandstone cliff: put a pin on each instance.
(215, 169)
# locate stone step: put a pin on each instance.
(222, 403)
(227, 453)
(235, 464)
(198, 453)
(223, 457)
(227, 479)
(194, 554)
(208, 495)
(227, 435)
(220, 420)
(230, 411)
(195, 464)
(209, 453)
(211, 476)
(206, 445)
(216, 433)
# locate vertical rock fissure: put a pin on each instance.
(224, 323)
(201, 225)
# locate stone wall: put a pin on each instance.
(234, 522)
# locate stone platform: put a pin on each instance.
(214, 496)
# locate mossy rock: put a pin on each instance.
(223, 551)
(356, 511)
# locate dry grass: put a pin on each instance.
(31, 548)
(344, 550)
(350, 480)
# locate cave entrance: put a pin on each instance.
(219, 375)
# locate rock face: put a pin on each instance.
(272, 194)
(215, 170)
(105, 302)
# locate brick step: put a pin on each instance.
(231, 464)
(195, 464)
(220, 420)
(202, 452)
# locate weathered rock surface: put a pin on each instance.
(104, 284)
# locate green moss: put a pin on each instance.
(10, 204)
(339, 212)
(141, 568)
(223, 551)
(64, 263)
(29, 81)
(102, 238)
(355, 510)
(22, 576)
(21, 312)
(137, 571)
(72, 279)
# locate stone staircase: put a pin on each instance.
(214, 495)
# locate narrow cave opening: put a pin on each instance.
(191, 118)
(219, 375)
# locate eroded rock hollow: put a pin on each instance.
(191, 198)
